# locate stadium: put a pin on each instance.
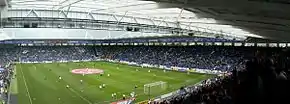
(144, 51)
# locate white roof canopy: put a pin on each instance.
(134, 8)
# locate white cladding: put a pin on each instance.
(58, 33)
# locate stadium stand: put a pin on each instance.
(39, 54)
(5, 75)
(245, 86)
(263, 81)
(214, 58)
(262, 78)
(6, 56)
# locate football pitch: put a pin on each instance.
(41, 83)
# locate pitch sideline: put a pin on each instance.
(72, 90)
(25, 85)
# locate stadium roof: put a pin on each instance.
(137, 8)
(267, 18)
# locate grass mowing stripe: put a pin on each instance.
(30, 100)
(122, 80)
(72, 90)
(76, 93)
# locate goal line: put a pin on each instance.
(155, 87)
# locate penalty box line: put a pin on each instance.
(25, 85)
(72, 90)
(76, 93)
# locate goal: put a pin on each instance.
(156, 87)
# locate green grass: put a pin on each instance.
(33, 88)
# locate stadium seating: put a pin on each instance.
(247, 86)
(265, 72)
(55, 53)
(213, 58)
(262, 82)
(6, 56)
(40, 54)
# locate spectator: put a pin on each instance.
(261, 79)
(40, 54)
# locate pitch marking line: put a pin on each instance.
(26, 86)
(72, 90)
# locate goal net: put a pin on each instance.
(156, 87)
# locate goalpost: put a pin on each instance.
(156, 87)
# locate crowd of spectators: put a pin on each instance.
(259, 75)
(69, 53)
(40, 54)
(6, 57)
(265, 80)
(216, 91)
(5, 79)
(212, 58)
